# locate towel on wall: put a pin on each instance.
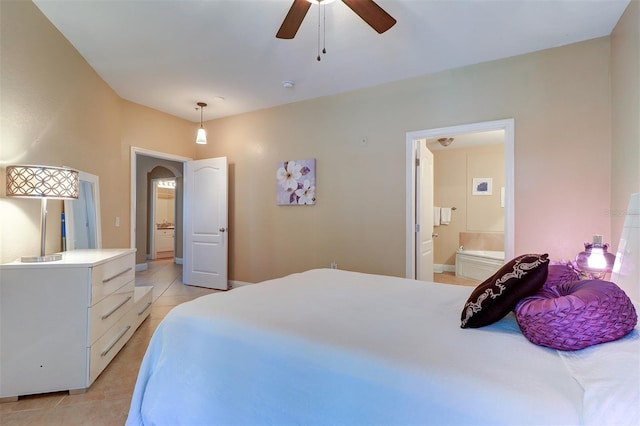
(436, 216)
(445, 215)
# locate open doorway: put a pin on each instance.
(162, 218)
(413, 226)
(201, 214)
(143, 161)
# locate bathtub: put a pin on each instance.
(478, 265)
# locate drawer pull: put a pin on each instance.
(115, 308)
(116, 275)
(115, 340)
(144, 309)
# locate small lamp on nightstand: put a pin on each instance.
(595, 261)
(44, 182)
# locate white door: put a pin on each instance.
(424, 212)
(205, 223)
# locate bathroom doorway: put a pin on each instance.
(162, 213)
(412, 222)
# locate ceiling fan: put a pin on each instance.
(368, 10)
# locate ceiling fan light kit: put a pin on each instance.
(445, 141)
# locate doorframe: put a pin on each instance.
(152, 216)
(135, 151)
(508, 126)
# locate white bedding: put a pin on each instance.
(335, 347)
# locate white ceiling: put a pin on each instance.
(170, 54)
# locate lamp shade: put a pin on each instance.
(201, 138)
(595, 260)
(42, 182)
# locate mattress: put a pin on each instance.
(336, 347)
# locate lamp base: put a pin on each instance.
(46, 258)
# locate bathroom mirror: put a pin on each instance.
(82, 216)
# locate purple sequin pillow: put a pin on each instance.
(573, 315)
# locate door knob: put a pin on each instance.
(434, 235)
(222, 229)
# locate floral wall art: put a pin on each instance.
(296, 182)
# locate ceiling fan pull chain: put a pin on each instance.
(318, 57)
(324, 30)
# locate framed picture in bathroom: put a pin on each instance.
(482, 186)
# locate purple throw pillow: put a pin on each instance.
(560, 274)
(494, 298)
(574, 315)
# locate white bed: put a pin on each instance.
(335, 347)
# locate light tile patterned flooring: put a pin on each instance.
(450, 278)
(106, 402)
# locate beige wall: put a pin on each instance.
(484, 212)
(625, 78)
(454, 169)
(559, 98)
(56, 110)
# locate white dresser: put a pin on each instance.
(62, 322)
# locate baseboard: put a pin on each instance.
(141, 267)
(440, 268)
(145, 266)
(235, 284)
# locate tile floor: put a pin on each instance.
(450, 278)
(107, 401)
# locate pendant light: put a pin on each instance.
(201, 138)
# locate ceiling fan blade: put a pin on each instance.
(293, 20)
(372, 14)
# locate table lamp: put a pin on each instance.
(44, 182)
(595, 261)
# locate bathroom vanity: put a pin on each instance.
(164, 241)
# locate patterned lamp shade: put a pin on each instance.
(42, 182)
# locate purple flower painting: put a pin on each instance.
(296, 182)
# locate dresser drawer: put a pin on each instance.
(110, 276)
(104, 314)
(107, 346)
